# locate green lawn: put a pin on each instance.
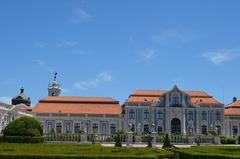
(209, 152)
(27, 151)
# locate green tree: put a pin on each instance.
(24, 126)
(118, 141)
(167, 143)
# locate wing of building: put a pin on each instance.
(232, 118)
(173, 111)
(66, 114)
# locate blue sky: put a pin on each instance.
(111, 48)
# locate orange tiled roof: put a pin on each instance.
(233, 109)
(78, 105)
(153, 95)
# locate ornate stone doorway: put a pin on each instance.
(175, 126)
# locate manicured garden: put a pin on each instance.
(209, 152)
(77, 151)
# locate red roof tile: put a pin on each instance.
(233, 109)
(153, 95)
(78, 105)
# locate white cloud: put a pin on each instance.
(80, 16)
(5, 99)
(39, 44)
(221, 56)
(172, 37)
(149, 54)
(101, 78)
(43, 65)
(66, 43)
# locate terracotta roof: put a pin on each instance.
(153, 95)
(233, 109)
(78, 105)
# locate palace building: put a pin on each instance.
(174, 111)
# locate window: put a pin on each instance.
(59, 127)
(146, 128)
(218, 130)
(131, 114)
(235, 131)
(68, 127)
(190, 115)
(104, 128)
(113, 128)
(49, 127)
(204, 130)
(159, 115)
(160, 129)
(218, 116)
(76, 128)
(204, 115)
(94, 128)
(146, 114)
(175, 100)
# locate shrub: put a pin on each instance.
(118, 141)
(24, 126)
(225, 140)
(166, 143)
(23, 130)
(212, 133)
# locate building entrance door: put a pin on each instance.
(175, 126)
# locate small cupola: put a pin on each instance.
(21, 98)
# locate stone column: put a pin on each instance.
(184, 123)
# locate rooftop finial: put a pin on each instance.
(21, 89)
(55, 76)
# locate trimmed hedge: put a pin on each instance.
(78, 151)
(208, 152)
(225, 140)
(22, 139)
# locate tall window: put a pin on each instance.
(204, 130)
(204, 115)
(146, 114)
(146, 128)
(159, 115)
(49, 127)
(175, 99)
(218, 116)
(131, 114)
(59, 127)
(76, 128)
(113, 128)
(94, 128)
(104, 128)
(190, 115)
(68, 127)
(218, 127)
(235, 131)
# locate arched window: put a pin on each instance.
(204, 130)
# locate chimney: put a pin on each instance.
(234, 99)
